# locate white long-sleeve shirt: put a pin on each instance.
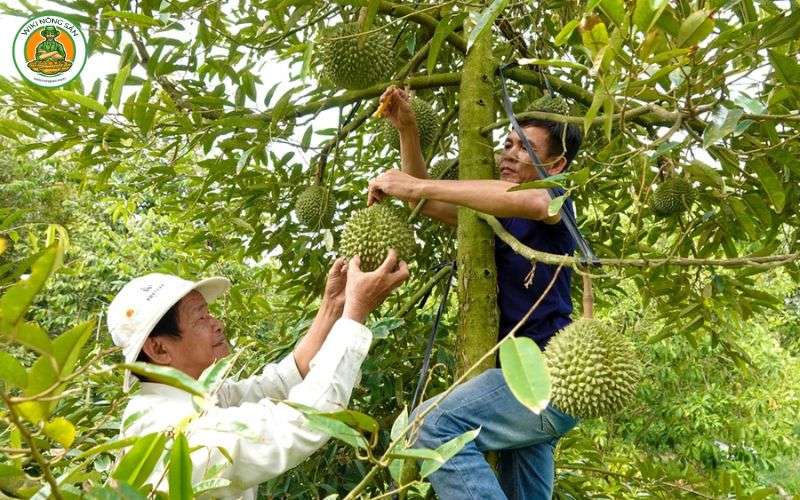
(263, 436)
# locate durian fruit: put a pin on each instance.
(427, 123)
(548, 104)
(673, 196)
(593, 369)
(372, 231)
(437, 170)
(314, 207)
(354, 64)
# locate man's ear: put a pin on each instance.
(558, 166)
(158, 350)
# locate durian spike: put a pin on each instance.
(588, 297)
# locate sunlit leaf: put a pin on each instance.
(525, 372)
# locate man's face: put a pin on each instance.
(202, 339)
(515, 164)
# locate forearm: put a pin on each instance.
(488, 196)
(411, 159)
(309, 345)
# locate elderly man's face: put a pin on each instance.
(202, 340)
(515, 164)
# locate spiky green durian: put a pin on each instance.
(548, 104)
(673, 196)
(593, 368)
(427, 123)
(352, 61)
(314, 207)
(442, 170)
(372, 231)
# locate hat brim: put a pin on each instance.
(210, 288)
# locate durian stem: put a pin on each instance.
(362, 19)
(421, 202)
(588, 297)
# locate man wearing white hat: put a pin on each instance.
(250, 435)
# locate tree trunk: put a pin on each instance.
(477, 276)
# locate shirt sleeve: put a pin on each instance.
(274, 382)
(265, 438)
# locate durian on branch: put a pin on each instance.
(571, 261)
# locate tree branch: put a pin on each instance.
(568, 260)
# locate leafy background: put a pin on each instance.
(183, 160)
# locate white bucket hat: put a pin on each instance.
(143, 301)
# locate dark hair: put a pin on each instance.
(167, 326)
(562, 138)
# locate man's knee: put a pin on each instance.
(428, 431)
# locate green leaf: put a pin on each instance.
(109, 446)
(17, 299)
(705, 174)
(12, 372)
(447, 451)
(786, 68)
(214, 375)
(566, 32)
(61, 431)
(772, 184)
(555, 205)
(80, 100)
(615, 10)
(355, 419)
(443, 28)
(68, 345)
(400, 423)
(337, 429)
(550, 182)
(485, 20)
(210, 484)
(646, 13)
(7, 471)
(166, 375)
(525, 372)
(132, 18)
(723, 122)
(33, 337)
(136, 466)
(695, 28)
(119, 82)
(180, 470)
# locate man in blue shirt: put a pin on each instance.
(525, 440)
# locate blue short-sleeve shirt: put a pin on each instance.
(514, 298)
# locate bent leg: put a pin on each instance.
(487, 403)
(528, 473)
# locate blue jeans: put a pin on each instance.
(525, 441)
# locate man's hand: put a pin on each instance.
(397, 109)
(394, 183)
(366, 291)
(334, 286)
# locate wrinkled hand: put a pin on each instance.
(366, 291)
(397, 108)
(394, 183)
(335, 284)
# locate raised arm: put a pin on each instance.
(399, 113)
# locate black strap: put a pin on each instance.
(588, 256)
(426, 360)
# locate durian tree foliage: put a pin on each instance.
(713, 86)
